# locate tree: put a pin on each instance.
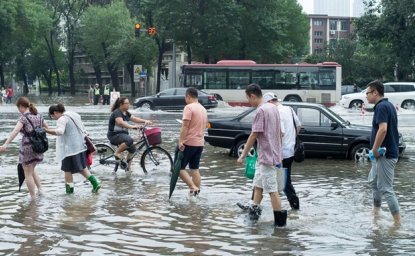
(391, 25)
(105, 30)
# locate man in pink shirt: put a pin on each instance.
(192, 140)
(266, 131)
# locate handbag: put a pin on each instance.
(90, 147)
(250, 162)
(299, 154)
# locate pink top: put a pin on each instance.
(197, 115)
(268, 128)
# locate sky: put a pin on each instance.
(307, 5)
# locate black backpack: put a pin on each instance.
(37, 137)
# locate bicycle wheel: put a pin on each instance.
(103, 157)
(156, 159)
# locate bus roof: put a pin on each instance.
(251, 63)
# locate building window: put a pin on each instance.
(318, 40)
(333, 25)
(344, 25)
(318, 33)
(318, 23)
(318, 51)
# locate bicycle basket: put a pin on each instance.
(153, 135)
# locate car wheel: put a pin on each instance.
(356, 104)
(360, 152)
(408, 104)
(239, 148)
(292, 98)
(146, 105)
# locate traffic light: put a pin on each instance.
(137, 29)
(152, 31)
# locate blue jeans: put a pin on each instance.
(381, 180)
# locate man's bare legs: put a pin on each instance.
(189, 180)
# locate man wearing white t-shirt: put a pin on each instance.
(288, 117)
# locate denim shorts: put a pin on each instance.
(191, 157)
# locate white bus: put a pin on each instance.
(227, 79)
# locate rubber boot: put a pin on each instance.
(69, 188)
(280, 218)
(294, 203)
(96, 184)
(254, 212)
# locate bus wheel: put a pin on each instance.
(292, 98)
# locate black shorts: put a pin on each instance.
(191, 157)
(120, 138)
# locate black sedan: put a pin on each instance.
(323, 132)
(173, 99)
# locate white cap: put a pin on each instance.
(269, 96)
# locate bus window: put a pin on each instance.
(263, 79)
(327, 78)
(194, 80)
(238, 79)
(215, 80)
(286, 79)
(308, 78)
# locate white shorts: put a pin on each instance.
(265, 178)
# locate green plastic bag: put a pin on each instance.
(250, 162)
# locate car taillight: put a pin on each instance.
(211, 97)
(209, 125)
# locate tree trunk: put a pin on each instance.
(159, 62)
(72, 81)
(2, 76)
(130, 70)
(189, 53)
(51, 52)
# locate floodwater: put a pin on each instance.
(131, 214)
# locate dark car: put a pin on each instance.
(323, 132)
(173, 99)
(347, 89)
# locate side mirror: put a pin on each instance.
(334, 125)
(158, 95)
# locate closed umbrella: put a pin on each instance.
(176, 172)
(20, 175)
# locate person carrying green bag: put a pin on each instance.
(266, 131)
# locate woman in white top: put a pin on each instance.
(70, 146)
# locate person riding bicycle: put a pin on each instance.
(118, 128)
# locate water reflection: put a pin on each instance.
(132, 215)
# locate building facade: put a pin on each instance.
(324, 28)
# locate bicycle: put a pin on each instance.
(153, 158)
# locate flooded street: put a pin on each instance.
(131, 214)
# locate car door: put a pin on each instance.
(163, 99)
(319, 132)
(178, 101)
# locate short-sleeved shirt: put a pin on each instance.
(268, 128)
(385, 112)
(197, 115)
(113, 128)
(287, 118)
